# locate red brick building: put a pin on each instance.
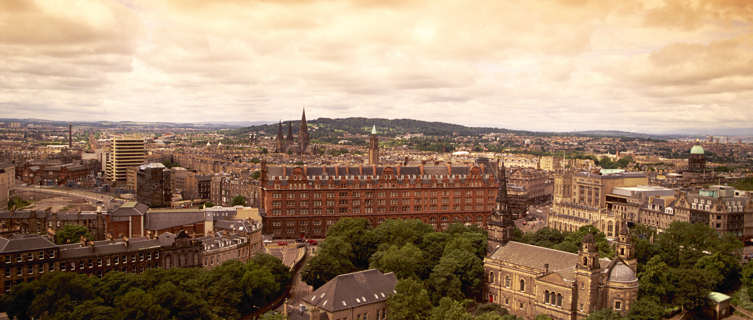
(305, 201)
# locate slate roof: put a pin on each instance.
(24, 242)
(368, 171)
(351, 290)
(535, 257)
(130, 208)
(107, 247)
(160, 220)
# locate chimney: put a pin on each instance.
(546, 268)
(314, 314)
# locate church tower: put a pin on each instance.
(290, 136)
(624, 247)
(500, 225)
(587, 276)
(279, 143)
(373, 147)
(303, 134)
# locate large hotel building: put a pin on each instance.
(304, 201)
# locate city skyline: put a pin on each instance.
(648, 66)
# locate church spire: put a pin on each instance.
(303, 134)
(500, 225)
(279, 144)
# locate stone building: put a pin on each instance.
(40, 222)
(305, 201)
(526, 187)
(580, 199)
(528, 280)
(351, 296)
(28, 257)
(7, 181)
(373, 147)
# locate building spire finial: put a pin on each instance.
(373, 129)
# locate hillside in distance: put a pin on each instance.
(385, 127)
(328, 127)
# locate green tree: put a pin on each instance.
(646, 308)
(208, 204)
(458, 275)
(137, 304)
(410, 302)
(334, 258)
(407, 261)
(605, 314)
(655, 280)
(357, 232)
(72, 233)
(256, 175)
(449, 309)
(393, 231)
(238, 200)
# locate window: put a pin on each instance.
(491, 276)
(559, 300)
(507, 281)
(617, 305)
(522, 285)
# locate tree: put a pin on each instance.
(449, 309)
(393, 231)
(137, 304)
(255, 175)
(72, 233)
(410, 302)
(238, 200)
(646, 308)
(208, 204)
(334, 258)
(605, 314)
(407, 261)
(458, 275)
(655, 280)
(356, 232)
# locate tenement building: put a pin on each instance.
(305, 201)
(580, 199)
(529, 280)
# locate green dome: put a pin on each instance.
(696, 149)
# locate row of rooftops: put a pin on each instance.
(374, 171)
(31, 242)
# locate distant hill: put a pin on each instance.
(388, 127)
(328, 127)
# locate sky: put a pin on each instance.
(546, 65)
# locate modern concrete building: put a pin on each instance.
(124, 153)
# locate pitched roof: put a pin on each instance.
(535, 257)
(161, 220)
(24, 242)
(130, 208)
(353, 289)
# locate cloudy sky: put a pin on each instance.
(651, 66)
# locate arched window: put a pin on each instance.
(585, 261)
(522, 285)
(507, 281)
(559, 300)
(546, 296)
(491, 276)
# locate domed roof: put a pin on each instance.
(696, 149)
(622, 273)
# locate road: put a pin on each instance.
(91, 196)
